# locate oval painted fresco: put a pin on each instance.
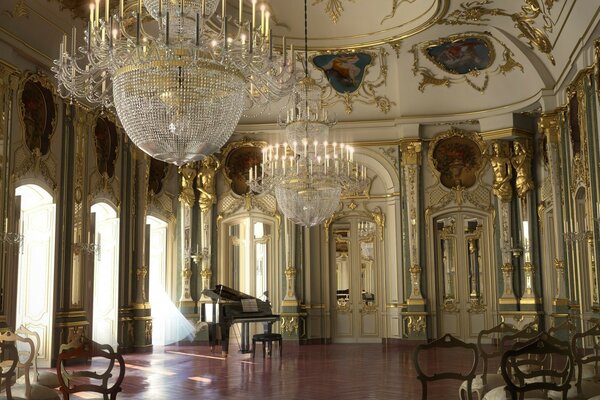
(457, 159)
(37, 110)
(344, 71)
(461, 56)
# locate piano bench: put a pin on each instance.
(267, 339)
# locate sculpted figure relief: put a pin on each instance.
(205, 183)
(186, 193)
(521, 161)
(501, 165)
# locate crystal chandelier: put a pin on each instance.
(178, 72)
(308, 174)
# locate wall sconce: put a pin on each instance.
(198, 255)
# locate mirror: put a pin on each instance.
(472, 230)
(342, 266)
(366, 235)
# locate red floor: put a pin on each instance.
(335, 371)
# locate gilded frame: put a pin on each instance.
(224, 159)
(454, 39)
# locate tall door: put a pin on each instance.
(36, 267)
(463, 268)
(355, 282)
(106, 273)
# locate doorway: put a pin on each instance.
(463, 274)
(106, 275)
(355, 271)
(35, 281)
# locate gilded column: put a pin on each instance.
(187, 198)
(410, 162)
(500, 161)
(206, 185)
(142, 314)
(549, 124)
(292, 317)
(521, 161)
(415, 319)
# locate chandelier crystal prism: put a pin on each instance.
(307, 173)
(179, 73)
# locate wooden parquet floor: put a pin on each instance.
(334, 371)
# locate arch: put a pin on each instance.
(35, 276)
(377, 163)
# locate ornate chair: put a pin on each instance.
(25, 355)
(486, 381)
(467, 350)
(534, 368)
(8, 365)
(75, 381)
(44, 378)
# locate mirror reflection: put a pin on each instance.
(366, 232)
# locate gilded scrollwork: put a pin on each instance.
(478, 79)
(368, 308)
(290, 325)
(20, 10)
(477, 13)
(416, 324)
(367, 91)
(395, 5)
(333, 8)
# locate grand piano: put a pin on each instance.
(230, 306)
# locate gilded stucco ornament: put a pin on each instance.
(205, 183)
(290, 325)
(335, 8)
(186, 193)
(475, 74)
(20, 10)
(367, 90)
(416, 324)
(477, 13)
(502, 168)
(521, 161)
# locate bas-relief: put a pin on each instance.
(458, 160)
(238, 163)
(157, 174)
(38, 111)
(105, 140)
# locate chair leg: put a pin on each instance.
(264, 348)
(280, 348)
(253, 347)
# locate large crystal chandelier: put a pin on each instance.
(179, 73)
(307, 173)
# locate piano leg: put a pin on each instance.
(245, 338)
(224, 340)
(212, 336)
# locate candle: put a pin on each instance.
(92, 13)
(121, 8)
(284, 52)
(106, 10)
(140, 6)
(97, 8)
(262, 19)
(203, 8)
(223, 5)
(253, 13)
(241, 11)
(315, 143)
(250, 174)
(267, 21)
(292, 60)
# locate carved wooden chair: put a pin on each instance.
(584, 384)
(514, 341)
(534, 368)
(463, 350)
(76, 380)
(24, 389)
(44, 378)
(8, 366)
(488, 351)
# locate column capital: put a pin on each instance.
(549, 124)
(410, 152)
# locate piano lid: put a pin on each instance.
(222, 292)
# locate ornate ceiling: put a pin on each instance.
(414, 60)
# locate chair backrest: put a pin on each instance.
(8, 366)
(554, 373)
(563, 331)
(94, 381)
(465, 351)
(25, 354)
(23, 331)
(488, 352)
(580, 354)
